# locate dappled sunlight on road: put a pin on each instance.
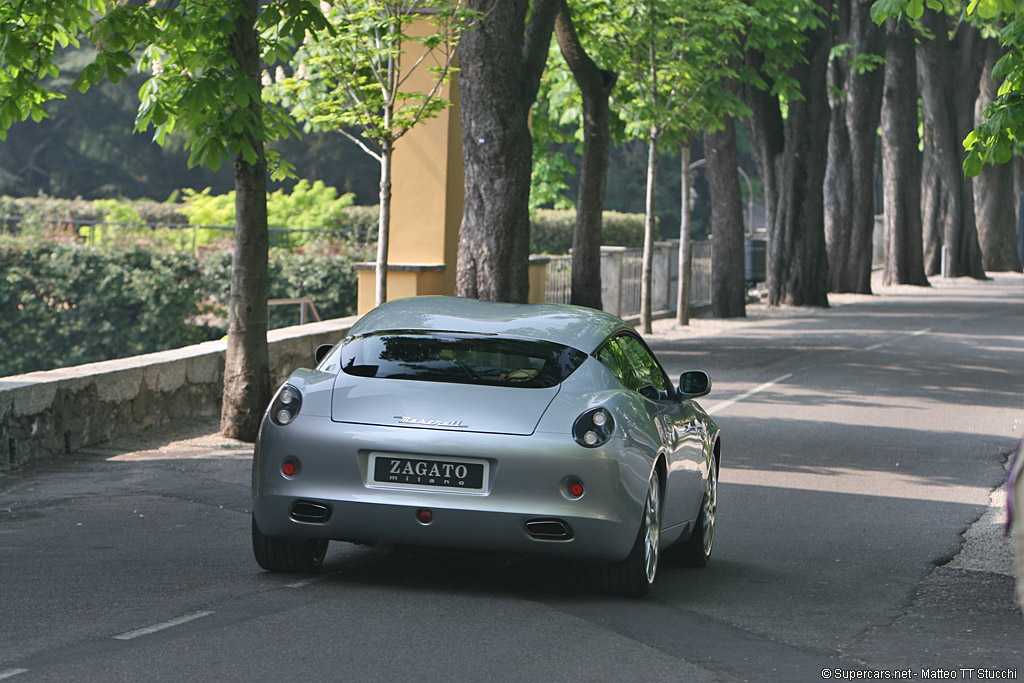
(194, 440)
(205, 454)
(846, 480)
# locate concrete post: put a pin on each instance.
(611, 279)
(672, 280)
(661, 276)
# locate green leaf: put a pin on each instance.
(971, 140)
(973, 165)
(838, 50)
(987, 9)
(1003, 151)
(90, 76)
(214, 156)
(158, 115)
(248, 152)
(80, 84)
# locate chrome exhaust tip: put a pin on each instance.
(549, 529)
(310, 513)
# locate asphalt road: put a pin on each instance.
(859, 444)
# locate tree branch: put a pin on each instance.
(362, 145)
(535, 46)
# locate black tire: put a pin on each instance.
(634, 575)
(696, 550)
(291, 556)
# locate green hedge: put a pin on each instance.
(551, 230)
(65, 303)
(67, 297)
(322, 273)
(53, 217)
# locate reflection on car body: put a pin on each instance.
(448, 422)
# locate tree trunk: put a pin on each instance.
(247, 362)
(766, 130)
(901, 161)
(791, 157)
(685, 241)
(994, 196)
(728, 290)
(650, 220)
(948, 74)
(1018, 194)
(384, 220)
(498, 81)
(849, 177)
(595, 87)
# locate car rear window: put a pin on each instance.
(460, 358)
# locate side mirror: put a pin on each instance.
(694, 384)
(321, 352)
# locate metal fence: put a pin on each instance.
(558, 280)
(184, 234)
(632, 276)
(700, 274)
(558, 286)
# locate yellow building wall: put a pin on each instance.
(427, 181)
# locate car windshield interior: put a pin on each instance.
(460, 358)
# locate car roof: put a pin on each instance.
(576, 326)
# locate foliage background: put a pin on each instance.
(84, 281)
(65, 302)
(551, 230)
(86, 148)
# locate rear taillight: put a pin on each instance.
(593, 428)
(285, 406)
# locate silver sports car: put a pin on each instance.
(458, 423)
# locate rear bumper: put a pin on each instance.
(527, 481)
(362, 522)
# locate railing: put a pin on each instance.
(302, 303)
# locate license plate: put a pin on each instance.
(432, 473)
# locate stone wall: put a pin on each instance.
(45, 415)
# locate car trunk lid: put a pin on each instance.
(436, 405)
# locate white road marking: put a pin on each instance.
(161, 626)
(742, 397)
(305, 582)
(11, 673)
(778, 380)
(322, 577)
(897, 340)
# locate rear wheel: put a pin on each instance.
(696, 551)
(634, 575)
(294, 556)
